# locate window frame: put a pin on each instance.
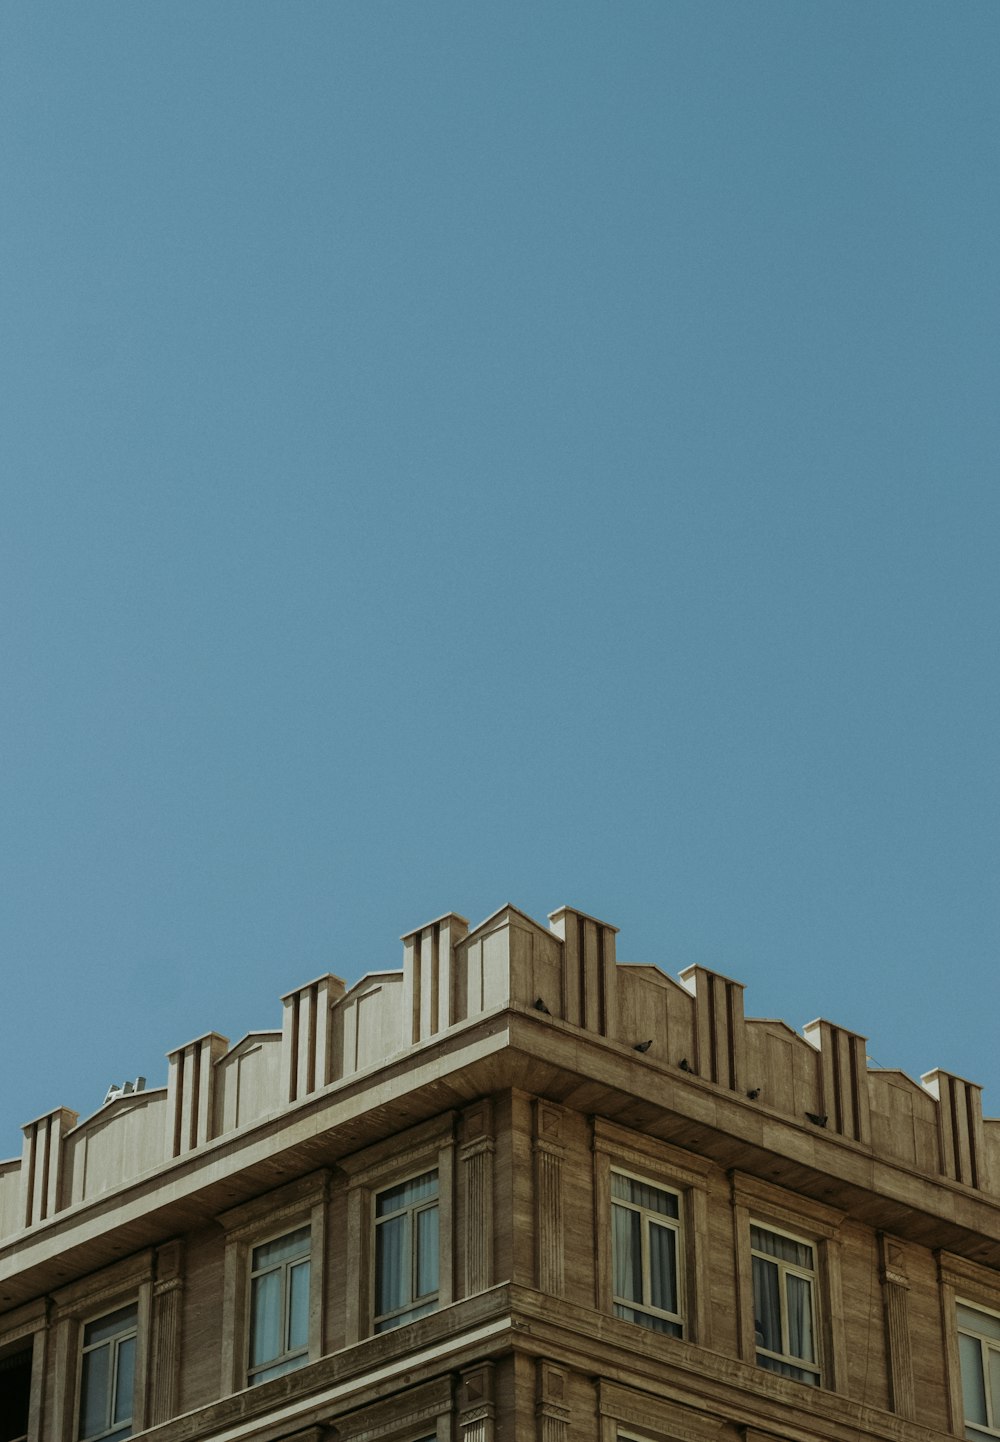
(649, 1218)
(284, 1267)
(249, 1226)
(786, 1269)
(987, 1344)
(756, 1203)
(376, 1169)
(420, 1303)
(128, 1332)
(686, 1176)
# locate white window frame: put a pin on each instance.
(289, 1359)
(987, 1344)
(267, 1219)
(675, 1225)
(422, 1303)
(128, 1332)
(785, 1269)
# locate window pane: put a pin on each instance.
(111, 1325)
(663, 1267)
(981, 1322)
(392, 1263)
(417, 1189)
(298, 1306)
(124, 1381)
(973, 1386)
(427, 1251)
(278, 1370)
(800, 1327)
(271, 1253)
(643, 1194)
(626, 1253)
(767, 1307)
(265, 1318)
(95, 1399)
(993, 1369)
(785, 1248)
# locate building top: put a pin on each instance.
(481, 1005)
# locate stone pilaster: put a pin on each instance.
(552, 1414)
(895, 1301)
(476, 1161)
(550, 1270)
(476, 1406)
(166, 1333)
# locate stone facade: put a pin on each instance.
(516, 1190)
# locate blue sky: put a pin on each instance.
(458, 453)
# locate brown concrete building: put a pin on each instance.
(512, 1191)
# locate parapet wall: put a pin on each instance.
(450, 977)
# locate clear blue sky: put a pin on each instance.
(464, 453)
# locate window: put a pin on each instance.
(646, 1254)
(15, 1394)
(979, 1355)
(272, 1314)
(784, 1275)
(279, 1306)
(107, 1375)
(406, 1251)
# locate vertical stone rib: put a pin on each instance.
(895, 1301)
(166, 1351)
(476, 1407)
(549, 1233)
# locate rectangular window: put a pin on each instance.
(406, 1251)
(645, 1254)
(279, 1306)
(784, 1277)
(979, 1353)
(107, 1376)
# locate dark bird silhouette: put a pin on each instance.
(540, 1006)
(644, 1045)
(818, 1119)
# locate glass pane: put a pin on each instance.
(124, 1381)
(298, 1306)
(111, 1326)
(427, 1252)
(417, 1189)
(993, 1369)
(785, 1369)
(265, 1318)
(973, 1383)
(975, 1321)
(766, 1305)
(278, 1370)
(95, 1399)
(647, 1319)
(663, 1267)
(392, 1264)
(643, 1194)
(800, 1327)
(626, 1253)
(788, 1250)
(271, 1253)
